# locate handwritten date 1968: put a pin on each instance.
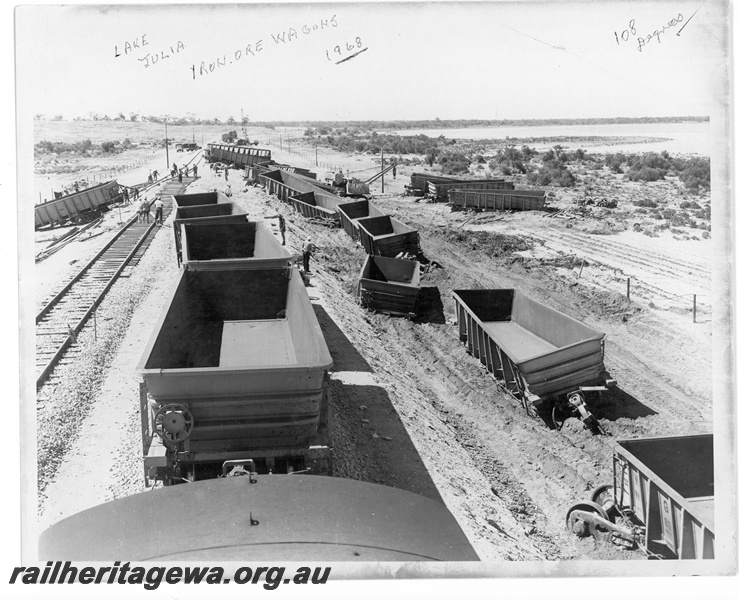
(349, 47)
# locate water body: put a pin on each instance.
(677, 138)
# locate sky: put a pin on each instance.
(484, 60)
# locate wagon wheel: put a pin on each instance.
(583, 528)
(173, 423)
(602, 494)
(560, 413)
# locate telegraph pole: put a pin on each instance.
(166, 141)
(382, 168)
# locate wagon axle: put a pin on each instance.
(575, 406)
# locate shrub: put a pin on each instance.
(647, 203)
(642, 173)
(696, 174)
(552, 172)
(614, 162)
(453, 163)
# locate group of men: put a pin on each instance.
(143, 210)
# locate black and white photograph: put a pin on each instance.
(339, 291)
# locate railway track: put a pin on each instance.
(63, 317)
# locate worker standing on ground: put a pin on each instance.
(194, 170)
(155, 174)
(151, 179)
(282, 228)
(228, 190)
(137, 209)
(393, 170)
(179, 176)
(187, 171)
(158, 208)
(308, 249)
(144, 210)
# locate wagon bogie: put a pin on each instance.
(661, 497)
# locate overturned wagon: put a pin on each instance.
(241, 156)
(386, 236)
(214, 244)
(661, 499)
(390, 285)
(542, 357)
(462, 199)
(419, 182)
(77, 205)
(440, 191)
(237, 371)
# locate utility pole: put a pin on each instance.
(382, 168)
(316, 152)
(166, 141)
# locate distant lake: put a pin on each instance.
(682, 138)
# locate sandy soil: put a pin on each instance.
(410, 408)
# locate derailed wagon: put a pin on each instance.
(351, 212)
(661, 499)
(463, 199)
(239, 155)
(439, 191)
(77, 205)
(237, 370)
(386, 236)
(419, 182)
(547, 360)
(314, 206)
(390, 285)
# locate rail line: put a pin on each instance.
(61, 320)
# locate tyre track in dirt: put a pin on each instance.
(664, 375)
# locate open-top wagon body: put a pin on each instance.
(214, 244)
(236, 369)
(536, 353)
(390, 285)
(77, 205)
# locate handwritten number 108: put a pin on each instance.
(349, 47)
(626, 32)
